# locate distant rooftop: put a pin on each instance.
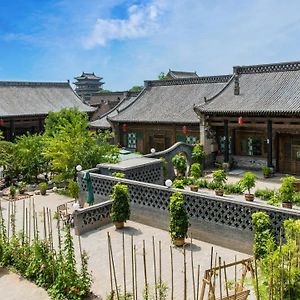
(89, 76)
(181, 74)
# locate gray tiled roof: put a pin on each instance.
(272, 89)
(171, 101)
(102, 122)
(181, 74)
(86, 75)
(37, 98)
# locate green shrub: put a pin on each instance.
(21, 187)
(198, 154)
(120, 211)
(296, 198)
(219, 179)
(188, 180)
(264, 194)
(179, 162)
(266, 171)
(12, 191)
(196, 170)
(178, 184)
(73, 188)
(118, 174)
(212, 185)
(274, 200)
(248, 181)
(233, 188)
(179, 222)
(43, 187)
(287, 189)
(202, 183)
(263, 238)
(165, 167)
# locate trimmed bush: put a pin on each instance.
(219, 179)
(179, 163)
(120, 211)
(287, 189)
(248, 181)
(178, 184)
(264, 194)
(179, 222)
(233, 188)
(202, 183)
(43, 188)
(198, 154)
(196, 170)
(73, 188)
(118, 174)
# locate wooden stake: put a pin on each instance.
(235, 278)
(198, 282)
(154, 267)
(135, 271)
(184, 275)
(124, 263)
(220, 278)
(8, 220)
(113, 266)
(256, 279)
(132, 269)
(226, 282)
(23, 222)
(192, 265)
(172, 274)
(110, 268)
(145, 271)
(160, 271)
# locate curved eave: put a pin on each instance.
(154, 122)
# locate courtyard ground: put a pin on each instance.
(95, 243)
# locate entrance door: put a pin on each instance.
(295, 163)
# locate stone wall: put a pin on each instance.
(218, 220)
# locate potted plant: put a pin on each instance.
(196, 173)
(12, 191)
(43, 188)
(198, 154)
(266, 171)
(179, 222)
(179, 163)
(286, 191)
(248, 182)
(219, 179)
(120, 211)
(22, 187)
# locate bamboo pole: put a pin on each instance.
(8, 220)
(154, 268)
(145, 272)
(211, 272)
(192, 266)
(132, 269)
(135, 271)
(110, 268)
(198, 282)
(160, 270)
(184, 275)
(113, 266)
(235, 287)
(124, 263)
(172, 274)
(23, 221)
(226, 282)
(29, 220)
(256, 279)
(220, 278)
(45, 226)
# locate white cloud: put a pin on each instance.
(142, 21)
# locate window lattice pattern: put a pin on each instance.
(131, 142)
(202, 207)
(150, 174)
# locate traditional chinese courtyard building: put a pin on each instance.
(255, 119)
(25, 105)
(162, 114)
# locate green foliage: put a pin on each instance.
(233, 188)
(179, 163)
(7, 159)
(12, 191)
(263, 238)
(198, 154)
(202, 183)
(248, 181)
(219, 179)
(264, 194)
(274, 200)
(120, 211)
(162, 76)
(118, 174)
(73, 188)
(178, 184)
(296, 198)
(136, 88)
(164, 166)
(279, 271)
(179, 222)
(43, 185)
(196, 170)
(287, 189)
(266, 171)
(69, 143)
(29, 156)
(188, 180)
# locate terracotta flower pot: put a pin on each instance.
(179, 242)
(249, 197)
(119, 225)
(194, 188)
(219, 192)
(287, 205)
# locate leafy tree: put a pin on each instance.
(136, 88)
(69, 143)
(29, 156)
(162, 76)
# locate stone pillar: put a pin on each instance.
(270, 143)
(226, 142)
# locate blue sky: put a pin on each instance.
(128, 41)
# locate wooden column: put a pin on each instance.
(270, 143)
(226, 142)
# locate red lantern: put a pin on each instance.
(1, 122)
(124, 127)
(184, 129)
(241, 120)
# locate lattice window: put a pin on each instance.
(131, 140)
(192, 140)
